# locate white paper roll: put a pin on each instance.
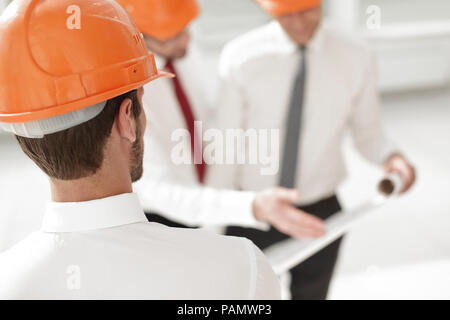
(392, 184)
(287, 254)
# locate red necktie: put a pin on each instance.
(189, 118)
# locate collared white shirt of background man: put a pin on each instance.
(257, 71)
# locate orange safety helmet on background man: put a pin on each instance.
(161, 19)
(60, 57)
(281, 7)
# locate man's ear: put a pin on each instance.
(126, 124)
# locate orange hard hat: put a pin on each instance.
(60, 56)
(161, 19)
(281, 7)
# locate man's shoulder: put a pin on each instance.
(204, 240)
(259, 42)
(206, 245)
(19, 263)
(337, 39)
(234, 258)
(25, 245)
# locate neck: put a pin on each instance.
(105, 183)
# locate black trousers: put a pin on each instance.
(311, 278)
(154, 217)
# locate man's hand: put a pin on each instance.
(397, 163)
(275, 207)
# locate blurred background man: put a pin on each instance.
(313, 84)
(176, 192)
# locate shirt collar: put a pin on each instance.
(91, 215)
(160, 61)
(290, 47)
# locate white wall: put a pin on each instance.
(405, 11)
(413, 43)
(3, 4)
(222, 20)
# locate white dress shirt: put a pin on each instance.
(106, 249)
(172, 189)
(257, 72)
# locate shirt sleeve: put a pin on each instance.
(230, 114)
(194, 205)
(264, 284)
(365, 122)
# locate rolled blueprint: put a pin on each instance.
(287, 254)
(391, 185)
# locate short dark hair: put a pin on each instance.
(77, 152)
